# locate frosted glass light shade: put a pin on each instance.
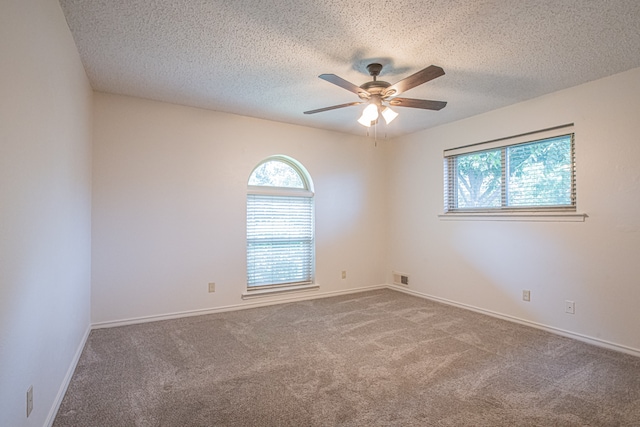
(388, 114)
(369, 114)
(364, 121)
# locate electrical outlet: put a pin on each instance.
(570, 307)
(344, 274)
(212, 287)
(29, 401)
(526, 295)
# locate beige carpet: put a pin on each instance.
(378, 358)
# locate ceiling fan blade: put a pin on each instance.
(422, 76)
(417, 103)
(320, 110)
(339, 81)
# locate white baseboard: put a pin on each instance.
(66, 380)
(314, 295)
(242, 306)
(580, 337)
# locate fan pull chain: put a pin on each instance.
(375, 132)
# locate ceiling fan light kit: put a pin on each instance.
(371, 113)
(377, 94)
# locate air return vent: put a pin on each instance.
(400, 278)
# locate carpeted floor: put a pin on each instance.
(380, 358)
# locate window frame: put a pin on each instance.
(280, 192)
(526, 212)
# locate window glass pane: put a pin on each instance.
(540, 173)
(478, 179)
(535, 175)
(275, 173)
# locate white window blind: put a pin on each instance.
(538, 174)
(280, 240)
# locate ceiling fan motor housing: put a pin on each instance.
(375, 87)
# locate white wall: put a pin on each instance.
(488, 264)
(169, 205)
(45, 202)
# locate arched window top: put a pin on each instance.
(281, 172)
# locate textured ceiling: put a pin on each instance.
(262, 58)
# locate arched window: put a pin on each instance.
(280, 225)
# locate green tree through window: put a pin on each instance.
(276, 173)
(479, 177)
(537, 174)
(540, 173)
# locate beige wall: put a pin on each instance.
(169, 205)
(488, 264)
(45, 208)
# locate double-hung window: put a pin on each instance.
(280, 225)
(522, 174)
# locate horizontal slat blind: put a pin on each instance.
(540, 174)
(280, 240)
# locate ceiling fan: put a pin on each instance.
(380, 95)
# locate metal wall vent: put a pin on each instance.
(400, 278)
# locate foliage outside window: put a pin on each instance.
(277, 173)
(280, 225)
(535, 175)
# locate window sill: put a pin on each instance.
(268, 292)
(515, 216)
